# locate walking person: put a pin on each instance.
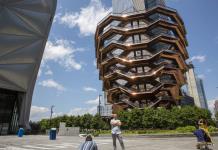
(89, 144)
(116, 132)
(203, 135)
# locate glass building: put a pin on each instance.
(141, 53)
(126, 6)
(24, 29)
(216, 106)
(202, 95)
(196, 88)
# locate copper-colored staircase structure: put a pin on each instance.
(141, 57)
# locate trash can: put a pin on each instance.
(52, 134)
(20, 132)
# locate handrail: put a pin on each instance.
(123, 28)
(135, 75)
(129, 103)
(137, 41)
(137, 58)
(160, 99)
(136, 92)
(136, 26)
(168, 81)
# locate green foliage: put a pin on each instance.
(85, 122)
(187, 129)
(163, 118)
(35, 127)
(135, 119)
(148, 120)
(212, 129)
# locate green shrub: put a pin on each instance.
(140, 121)
(187, 129)
(212, 129)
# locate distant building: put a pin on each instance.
(105, 110)
(196, 88)
(216, 106)
(202, 95)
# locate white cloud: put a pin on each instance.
(49, 72)
(50, 83)
(89, 89)
(40, 72)
(38, 113)
(95, 63)
(56, 114)
(93, 102)
(62, 52)
(82, 111)
(199, 58)
(201, 76)
(87, 19)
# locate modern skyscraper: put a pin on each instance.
(141, 53)
(24, 29)
(196, 88)
(203, 99)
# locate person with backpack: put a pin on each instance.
(89, 144)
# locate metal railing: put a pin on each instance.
(136, 91)
(168, 81)
(140, 26)
(130, 43)
(131, 75)
(161, 98)
(135, 75)
(138, 58)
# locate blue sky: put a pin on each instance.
(68, 77)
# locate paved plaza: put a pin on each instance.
(104, 143)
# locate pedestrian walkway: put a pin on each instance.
(104, 143)
(50, 146)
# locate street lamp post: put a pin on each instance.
(99, 104)
(52, 107)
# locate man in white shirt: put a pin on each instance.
(116, 132)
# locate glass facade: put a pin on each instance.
(152, 3)
(201, 92)
(127, 6)
(122, 6)
(8, 111)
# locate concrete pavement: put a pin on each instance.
(104, 143)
